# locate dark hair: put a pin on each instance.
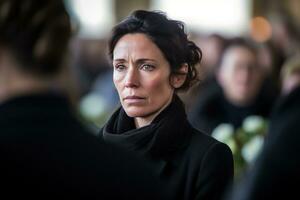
(168, 35)
(239, 42)
(36, 32)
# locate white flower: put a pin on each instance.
(223, 132)
(252, 148)
(92, 106)
(253, 123)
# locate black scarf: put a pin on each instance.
(168, 132)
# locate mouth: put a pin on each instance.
(133, 99)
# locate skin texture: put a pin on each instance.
(142, 78)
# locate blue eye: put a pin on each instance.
(147, 67)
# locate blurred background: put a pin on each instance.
(272, 24)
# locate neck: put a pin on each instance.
(240, 102)
(146, 120)
(17, 84)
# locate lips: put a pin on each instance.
(133, 99)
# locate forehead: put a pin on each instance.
(240, 51)
(137, 45)
(238, 54)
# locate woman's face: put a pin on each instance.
(241, 77)
(141, 76)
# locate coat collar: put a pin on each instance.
(168, 132)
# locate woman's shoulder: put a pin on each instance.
(203, 144)
(200, 138)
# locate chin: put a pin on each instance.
(139, 112)
(135, 112)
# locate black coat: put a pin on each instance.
(212, 108)
(276, 174)
(195, 165)
(45, 152)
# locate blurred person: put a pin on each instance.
(212, 46)
(152, 60)
(284, 43)
(44, 150)
(275, 174)
(266, 58)
(240, 93)
(290, 74)
(213, 50)
(285, 35)
(269, 60)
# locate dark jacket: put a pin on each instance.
(276, 173)
(46, 152)
(195, 165)
(212, 108)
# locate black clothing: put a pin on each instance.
(276, 173)
(212, 108)
(46, 152)
(195, 165)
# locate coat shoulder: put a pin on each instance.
(201, 145)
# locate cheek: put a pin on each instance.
(229, 78)
(159, 85)
(117, 79)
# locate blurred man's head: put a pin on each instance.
(34, 37)
(36, 33)
(239, 75)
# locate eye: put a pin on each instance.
(120, 67)
(147, 67)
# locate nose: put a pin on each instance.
(132, 78)
(245, 75)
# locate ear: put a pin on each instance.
(178, 79)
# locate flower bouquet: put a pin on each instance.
(245, 142)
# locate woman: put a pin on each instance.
(153, 59)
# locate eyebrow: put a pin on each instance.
(141, 60)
